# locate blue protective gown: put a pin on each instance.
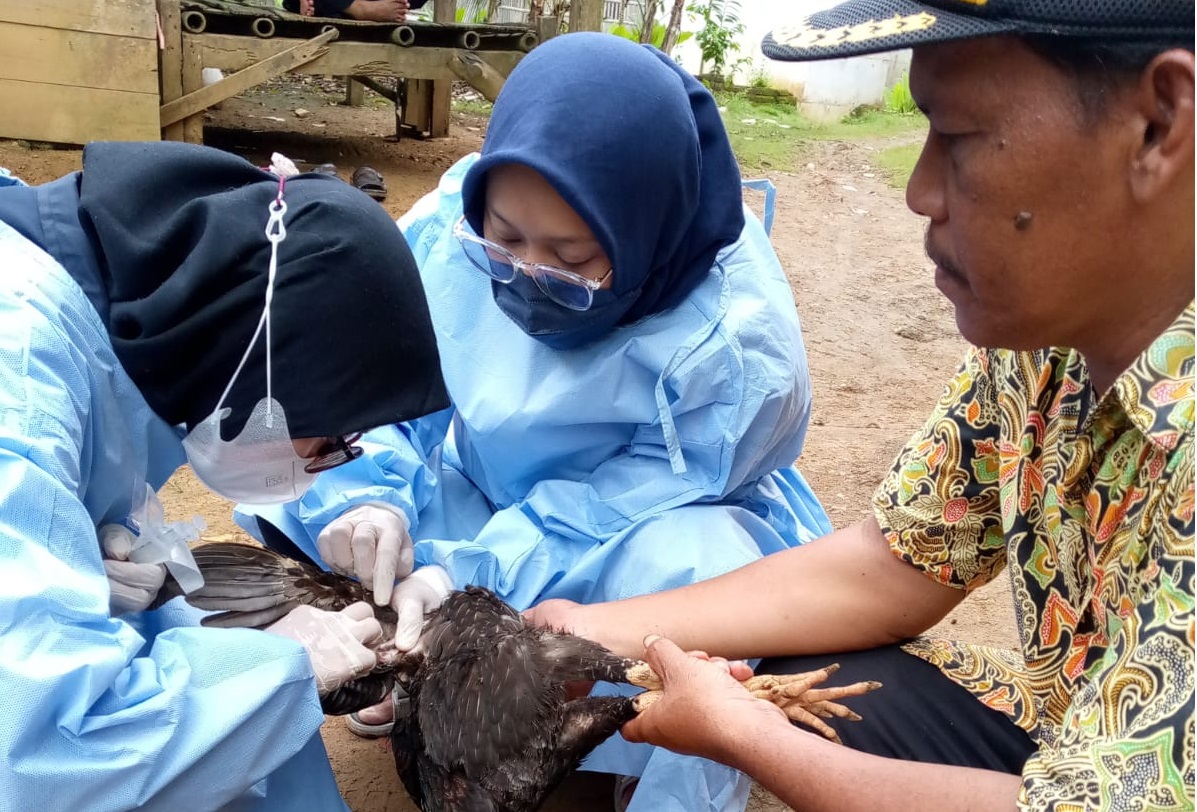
(145, 711)
(657, 456)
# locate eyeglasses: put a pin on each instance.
(335, 451)
(563, 287)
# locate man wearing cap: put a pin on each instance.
(1057, 182)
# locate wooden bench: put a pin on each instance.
(74, 71)
(252, 45)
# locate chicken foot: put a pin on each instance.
(795, 694)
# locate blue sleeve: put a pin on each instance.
(735, 405)
(99, 717)
(400, 467)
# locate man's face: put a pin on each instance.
(1026, 195)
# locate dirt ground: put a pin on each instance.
(880, 339)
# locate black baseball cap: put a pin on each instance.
(871, 26)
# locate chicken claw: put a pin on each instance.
(795, 694)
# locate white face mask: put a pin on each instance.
(259, 465)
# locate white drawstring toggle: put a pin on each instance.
(276, 231)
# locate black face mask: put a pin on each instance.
(556, 326)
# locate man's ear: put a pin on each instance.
(1165, 105)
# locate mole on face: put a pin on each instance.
(1022, 220)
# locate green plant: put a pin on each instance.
(658, 39)
(473, 107)
(476, 11)
(716, 38)
(898, 98)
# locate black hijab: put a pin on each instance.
(184, 257)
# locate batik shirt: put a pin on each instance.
(1089, 503)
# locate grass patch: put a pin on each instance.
(769, 136)
(872, 123)
(473, 107)
(763, 136)
(898, 163)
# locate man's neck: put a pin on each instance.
(1116, 350)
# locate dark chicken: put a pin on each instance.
(486, 724)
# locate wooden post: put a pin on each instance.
(193, 80)
(547, 27)
(586, 15)
(355, 92)
(443, 11)
(170, 62)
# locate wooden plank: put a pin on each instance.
(170, 61)
(472, 68)
(123, 18)
(54, 56)
(76, 115)
(193, 81)
(378, 87)
(231, 53)
(417, 112)
(442, 104)
(277, 65)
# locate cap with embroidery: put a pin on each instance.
(871, 26)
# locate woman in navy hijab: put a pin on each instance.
(626, 368)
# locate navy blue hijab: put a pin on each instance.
(635, 145)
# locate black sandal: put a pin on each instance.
(370, 182)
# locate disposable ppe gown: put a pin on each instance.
(657, 456)
(145, 711)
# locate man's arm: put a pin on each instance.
(843, 592)
(810, 773)
(705, 712)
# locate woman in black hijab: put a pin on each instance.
(145, 311)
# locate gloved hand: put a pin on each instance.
(132, 587)
(417, 594)
(335, 641)
(370, 542)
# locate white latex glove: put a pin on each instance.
(370, 542)
(132, 587)
(335, 641)
(414, 596)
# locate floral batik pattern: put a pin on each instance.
(1089, 503)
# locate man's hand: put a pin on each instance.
(132, 587)
(336, 642)
(413, 598)
(371, 543)
(703, 706)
